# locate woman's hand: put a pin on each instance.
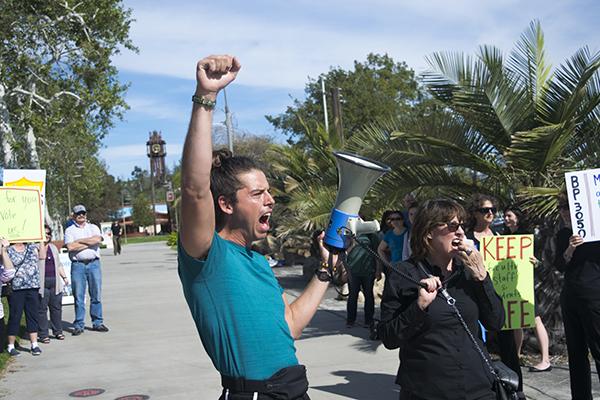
(534, 261)
(426, 296)
(4, 243)
(471, 258)
(574, 242)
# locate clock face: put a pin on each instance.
(156, 148)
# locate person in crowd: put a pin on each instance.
(7, 273)
(385, 224)
(25, 294)
(83, 242)
(116, 230)
(362, 269)
(410, 214)
(579, 261)
(249, 331)
(408, 202)
(53, 278)
(437, 358)
(482, 211)
(516, 223)
(394, 241)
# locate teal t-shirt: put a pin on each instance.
(236, 303)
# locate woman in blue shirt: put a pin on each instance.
(395, 240)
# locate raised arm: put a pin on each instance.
(213, 73)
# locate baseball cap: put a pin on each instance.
(79, 208)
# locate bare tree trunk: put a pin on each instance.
(34, 159)
(6, 134)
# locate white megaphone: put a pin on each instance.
(356, 175)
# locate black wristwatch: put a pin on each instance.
(323, 274)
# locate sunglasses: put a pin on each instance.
(48, 233)
(453, 226)
(81, 213)
(485, 210)
(395, 219)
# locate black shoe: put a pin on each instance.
(100, 328)
(77, 332)
(36, 351)
(14, 352)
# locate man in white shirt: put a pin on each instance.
(83, 242)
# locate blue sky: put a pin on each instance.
(281, 43)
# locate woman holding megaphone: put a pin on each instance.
(438, 359)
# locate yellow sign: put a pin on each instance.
(508, 261)
(25, 182)
(21, 214)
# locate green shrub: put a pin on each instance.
(172, 239)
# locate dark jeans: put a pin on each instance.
(581, 318)
(52, 302)
(116, 244)
(19, 300)
(356, 284)
(508, 353)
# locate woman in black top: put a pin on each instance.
(482, 212)
(437, 358)
(579, 301)
(515, 223)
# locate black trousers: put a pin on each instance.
(19, 300)
(50, 302)
(581, 318)
(508, 353)
(3, 339)
(356, 284)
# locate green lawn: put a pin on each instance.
(145, 239)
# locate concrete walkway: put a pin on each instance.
(152, 348)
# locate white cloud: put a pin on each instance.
(121, 159)
(157, 108)
(280, 46)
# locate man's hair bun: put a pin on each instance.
(218, 156)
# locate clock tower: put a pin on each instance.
(156, 151)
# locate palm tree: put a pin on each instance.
(511, 127)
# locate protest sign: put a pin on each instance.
(583, 189)
(21, 214)
(507, 260)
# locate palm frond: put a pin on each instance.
(575, 90)
(460, 82)
(538, 148)
(528, 63)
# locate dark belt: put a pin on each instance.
(85, 261)
(241, 385)
(287, 383)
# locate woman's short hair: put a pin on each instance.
(224, 178)
(431, 214)
(386, 214)
(476, 201)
